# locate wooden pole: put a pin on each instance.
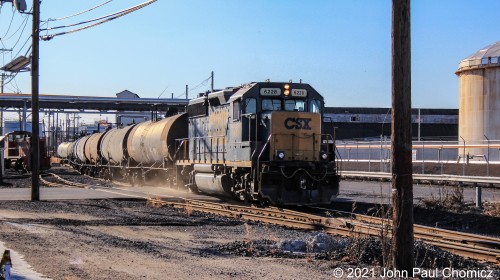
(35, 137)
(402, 181)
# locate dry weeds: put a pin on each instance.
(450, 200)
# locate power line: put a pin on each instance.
(77, 14)
(20, 36)
(202, 83)
(162, 92)
(88, 21)
(10, 24)
(106, 19)
(25, 21)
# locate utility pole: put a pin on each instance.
(419, 122)
(1, 109)
(35, 137)
(212, 86)
(402, 177)
(2, 131)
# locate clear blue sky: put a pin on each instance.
(342, 48)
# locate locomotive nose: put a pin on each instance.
(295, 136)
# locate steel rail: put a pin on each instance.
(348, 227)
(455, 235)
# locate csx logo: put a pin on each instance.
(297, 123)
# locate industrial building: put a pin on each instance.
(374, 123)
(129, 117)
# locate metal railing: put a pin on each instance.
(428, 157)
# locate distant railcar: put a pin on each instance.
(17, 150)
(258, 142)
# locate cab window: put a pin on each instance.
(271, 105)
(295, 105)
(315, 106)
(236, 111)
(250, 106)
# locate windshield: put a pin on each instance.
(295, 105)
(315, 106)
(271, 104)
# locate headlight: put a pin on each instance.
(287, 89)
(324, 156)
(281, 155)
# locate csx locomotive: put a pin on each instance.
(258, 142)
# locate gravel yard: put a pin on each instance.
(127, 239)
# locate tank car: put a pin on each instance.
(257, 142)
(17, 149)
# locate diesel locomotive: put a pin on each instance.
(258, 142)
(17, 148)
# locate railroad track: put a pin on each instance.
(473, 246)
(66, 183)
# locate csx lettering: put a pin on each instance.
(297, 123)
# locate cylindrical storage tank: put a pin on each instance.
(62, 150)
(114, 144)
(91, 147)
(479, 112)
(151, 142)
(79, 149)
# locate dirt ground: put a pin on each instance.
(127, 239)
(111, 239)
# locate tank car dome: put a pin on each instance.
(488, 56)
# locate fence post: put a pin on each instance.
(487, 157)
(381, 153)
(463, 164)
(423, 157)
(440, 150)
(369, 157)
(478, 196)
(357, 155)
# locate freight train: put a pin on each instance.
(259, 142)
(17, 148)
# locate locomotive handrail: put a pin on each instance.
(183, 141)
(209, 149)
(260, 154)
